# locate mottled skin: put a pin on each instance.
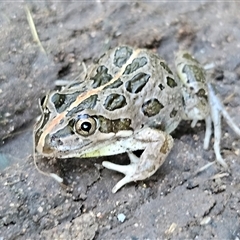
(128, 101)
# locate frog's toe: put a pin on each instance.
(222, 162)
(128, 170)
(121, 183)
(125, 169)
(219, 156)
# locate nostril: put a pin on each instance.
(55, 141)
(59, 142)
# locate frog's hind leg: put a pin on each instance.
(216, 118)
(208, 132)
(141, 168)
(217, 110)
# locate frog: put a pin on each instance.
(129, 100)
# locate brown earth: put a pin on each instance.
(175, 203)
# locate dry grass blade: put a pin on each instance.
(204, 168)
(219, 175)
(33, 29)
(228, 99)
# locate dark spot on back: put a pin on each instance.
(88, 103)
(173, 113)
(165, 66)
(137, 83)
(122, 54)
(171, 82)
(183, 102)
(194, 73)
(161, 86)
(115, 101)
(151, 107)
(189, 57)
(102, 77)
(115, 84)
(106, 125)
(63, 101)
(135, 65)
(201, 93)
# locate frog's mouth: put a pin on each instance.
(107, 144)
(59, 146)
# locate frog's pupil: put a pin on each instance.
(86, 126)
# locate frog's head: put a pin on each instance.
(71, 126)
(83, 119)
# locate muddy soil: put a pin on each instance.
(177, 202)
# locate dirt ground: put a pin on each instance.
(175, 203)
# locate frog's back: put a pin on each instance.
(135, 85)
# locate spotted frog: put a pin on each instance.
(129, 100)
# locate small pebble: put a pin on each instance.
(121, 217)
(40, 209)
(205, 220)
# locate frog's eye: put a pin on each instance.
(85, 125)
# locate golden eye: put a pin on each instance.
(85, 125)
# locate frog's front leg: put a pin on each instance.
(157, 148)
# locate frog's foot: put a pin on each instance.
(129, 171)
(217, 110)
(143, 167)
